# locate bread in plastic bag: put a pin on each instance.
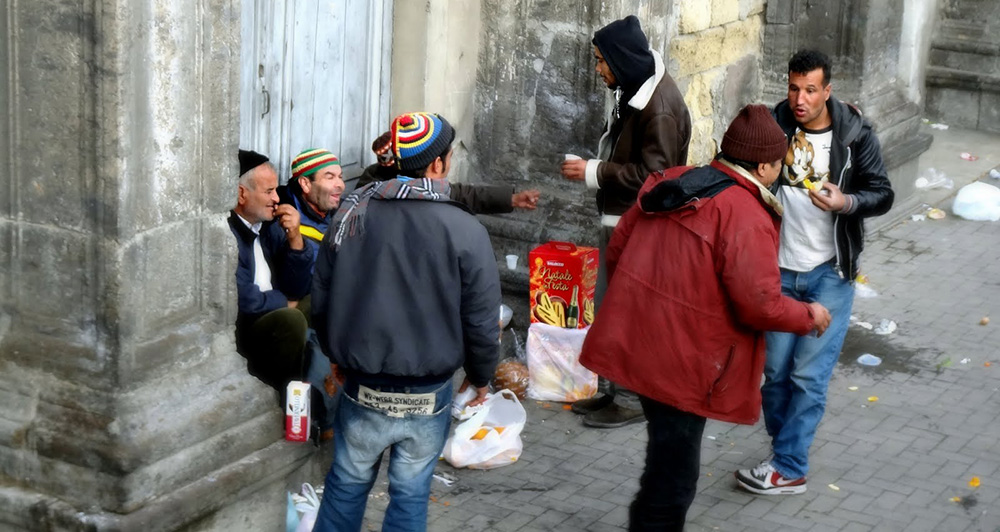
(512, 375)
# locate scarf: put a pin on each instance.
(350, 219)
(765, 193)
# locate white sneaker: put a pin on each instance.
(765, 480)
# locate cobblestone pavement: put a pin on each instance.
(892, 464)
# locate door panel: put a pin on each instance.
(314, 75)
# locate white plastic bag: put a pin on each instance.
(554, 367)
(467, 447)
(306, 508)
(978, 201)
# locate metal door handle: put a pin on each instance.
(267, 102)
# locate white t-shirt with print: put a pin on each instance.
(806, 230)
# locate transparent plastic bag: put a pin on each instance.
(933, 178)
(512, 375)
(554, 367)
(303, 509)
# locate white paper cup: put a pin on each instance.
(571, 157)
(511, 262)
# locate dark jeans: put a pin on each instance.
(673, 459)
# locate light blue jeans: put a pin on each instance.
(361, 435)
(798, 368)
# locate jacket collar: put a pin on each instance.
(765, 195)
(240, 227)
(645, 91)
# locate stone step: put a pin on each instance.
(970, 59)
(972, 33)
(940, 76)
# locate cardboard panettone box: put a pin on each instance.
(563, 278)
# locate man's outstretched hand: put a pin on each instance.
(526, 199)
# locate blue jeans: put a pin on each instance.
(361, 435)
(798, 368)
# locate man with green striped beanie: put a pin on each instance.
(314, 189)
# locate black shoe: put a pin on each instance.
(586, 406)
(613, 416)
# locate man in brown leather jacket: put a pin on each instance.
(648, 130)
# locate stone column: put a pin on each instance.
(123, 405)
(862, 38)
(434, 50)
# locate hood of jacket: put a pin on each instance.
(626, 50)
(661, 194)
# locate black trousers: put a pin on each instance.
(673, 460)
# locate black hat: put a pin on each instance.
(626, 50)
(250, 160)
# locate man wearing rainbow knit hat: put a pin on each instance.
(405, 292)
(314, 190)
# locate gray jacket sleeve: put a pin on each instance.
(480, 308)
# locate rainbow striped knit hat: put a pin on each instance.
(419, 138)
(308, 162)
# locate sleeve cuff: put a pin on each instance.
(590, 175)
(850, 204)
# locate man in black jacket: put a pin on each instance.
(833, 178)
(406, 291)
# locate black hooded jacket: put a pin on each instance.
(856, 167)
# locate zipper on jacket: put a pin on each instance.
(725, 368)
(837, 220)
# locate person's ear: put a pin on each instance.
(762, 169)
(305, 184)
(241, 195)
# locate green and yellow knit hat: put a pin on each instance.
(308, 162)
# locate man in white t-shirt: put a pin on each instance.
(832, 179)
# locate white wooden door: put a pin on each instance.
(315, 74)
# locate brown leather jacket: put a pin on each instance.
(653, 138)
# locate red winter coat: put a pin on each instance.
(693, 283)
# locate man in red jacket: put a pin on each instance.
(693, 285)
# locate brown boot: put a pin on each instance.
(586, 406)
(613, 416)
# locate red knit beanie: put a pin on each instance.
(754, 136)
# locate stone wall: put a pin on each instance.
(717, 55)
(538, 97)
(123, 405)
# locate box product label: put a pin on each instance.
(297, 411)
(563, 278)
